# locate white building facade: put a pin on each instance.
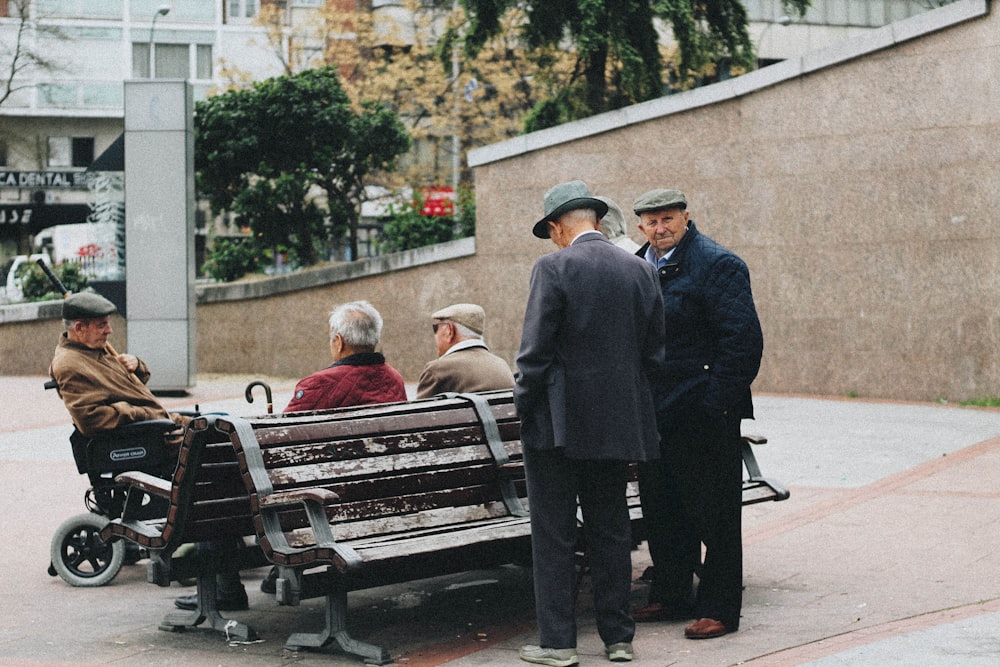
(63, 113)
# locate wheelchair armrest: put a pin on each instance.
(138, 430)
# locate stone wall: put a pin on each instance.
(861, 184)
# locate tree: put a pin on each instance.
(290, 153)
(617, 45)
(447, 104)
(19, 58)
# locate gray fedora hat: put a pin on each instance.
(563, 198)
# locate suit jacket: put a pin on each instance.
(469, 369)
(591, 348)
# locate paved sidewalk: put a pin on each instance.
(887, 553)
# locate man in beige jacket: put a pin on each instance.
(464, 363)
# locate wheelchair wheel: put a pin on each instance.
(79, 555)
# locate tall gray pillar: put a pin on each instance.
(159, 230)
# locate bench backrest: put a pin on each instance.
(208, 499)
(394, 467)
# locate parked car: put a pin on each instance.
(15, 269)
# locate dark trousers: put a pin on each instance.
(692, 496)
(554, 484)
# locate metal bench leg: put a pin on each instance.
(336, 631)
(777, 491)
(207, 611)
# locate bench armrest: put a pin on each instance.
(294, 497)
(345, 559)
(150, 484)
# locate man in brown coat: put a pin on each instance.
(464, 363)
(104, 390)
(101, 389)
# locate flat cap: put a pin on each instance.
(85, 305)
(467, 314)
(659, 199)
(613, 222)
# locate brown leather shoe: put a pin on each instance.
(657, 611)
(705, 628)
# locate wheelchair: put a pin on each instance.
(77, 553)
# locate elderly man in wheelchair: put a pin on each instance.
(119, 425)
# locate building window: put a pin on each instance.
(173, 61)
(71, 151)
(241, 11)
(203, 62)
(3, 153)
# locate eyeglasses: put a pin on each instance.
(437, 325)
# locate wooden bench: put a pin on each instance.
(353, 498)
(756, 487)
(375, 496)
(208, 503)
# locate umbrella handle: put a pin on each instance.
(267, 393)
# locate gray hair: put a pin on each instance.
(357, 322)
(582, 215)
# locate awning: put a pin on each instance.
(112, 159)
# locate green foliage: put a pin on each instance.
(280, 213)
(261, 152)
(36, 286)
(466, 213)
(231, 258)
(618, 48)
(986, 402)
(408, 228)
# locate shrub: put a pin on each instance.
(230, 259)
(36, 286)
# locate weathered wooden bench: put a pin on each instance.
(208, 503)
(358, 498)
(354, 498)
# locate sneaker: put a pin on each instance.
(553, 657)
(620, 652)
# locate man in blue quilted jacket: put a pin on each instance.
(692, 494)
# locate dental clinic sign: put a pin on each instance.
(44, 179)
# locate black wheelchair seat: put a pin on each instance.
(136, 446)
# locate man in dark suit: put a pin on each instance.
(583, 301)
(692, 494)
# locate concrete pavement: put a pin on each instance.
(887, 553)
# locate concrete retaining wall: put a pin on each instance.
(861, 184)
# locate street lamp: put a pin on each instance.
(162, 10)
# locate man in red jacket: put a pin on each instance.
(359, 374)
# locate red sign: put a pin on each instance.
(438, 201)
